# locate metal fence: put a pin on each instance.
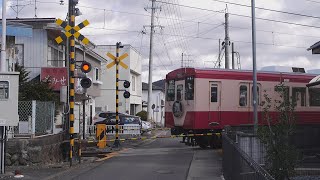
(127, 129)
(35, 118)
(238, 165)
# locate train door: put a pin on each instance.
(214, 115)
(243, 114)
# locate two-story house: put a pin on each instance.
(107, 100)
(36, 49)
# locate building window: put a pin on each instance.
(243, 96)
(56, 54)
(133, 83)
(299, 96)
(214, 93)
(171, 90)
(19, 54)
(4, 90)
(189, 83)
(314, 96)
(96, 74)
(179, 92)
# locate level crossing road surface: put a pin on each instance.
(156, 159)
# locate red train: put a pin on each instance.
(207, 100)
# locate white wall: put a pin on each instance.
(107, 99)
(35, 51)
(157, 96)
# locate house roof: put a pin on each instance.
(145, 86)
(315, 45)
(18, 29)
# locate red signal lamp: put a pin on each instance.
(85, 67)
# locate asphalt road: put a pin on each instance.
(158, 159)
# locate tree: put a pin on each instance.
(143, 115)
(281, 156)
(34, 90)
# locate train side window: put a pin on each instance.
(171, 90)
(179, 92)
(243, 96)
(189, 85)
(314, 96)
(214, 93)
(4, 90)
(299, 95)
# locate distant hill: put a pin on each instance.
(160, 83)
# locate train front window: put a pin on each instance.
(171, 90)
(179, 92)
(299, 95)
(314, 96)
(243, 96)
(214, 93)
(189, 84)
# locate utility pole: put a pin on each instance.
(255, 105)
(4, 35)
(219, 60)
(226, 41)
(182, 60)
(232, 55)
(153, 9)
(3, 69)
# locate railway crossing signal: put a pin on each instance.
(85, 81)
(72, 32)
(126, 94)
(118, 61)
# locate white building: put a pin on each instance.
(158, 100)
(107, 100)
(31, 43)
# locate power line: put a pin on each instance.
(272, 10)
(240, 15)
(276, 32)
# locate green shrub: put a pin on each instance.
(143, 115)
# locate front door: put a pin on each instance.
(214, 115)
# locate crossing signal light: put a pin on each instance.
(126, 94)
(85, 67)
(126, 84)
(85, 81)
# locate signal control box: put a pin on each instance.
(9, 90)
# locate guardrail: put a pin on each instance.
(238, 165)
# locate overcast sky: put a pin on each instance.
(194, 28)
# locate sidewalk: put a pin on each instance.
(206, 165)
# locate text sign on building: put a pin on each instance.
(57, 77)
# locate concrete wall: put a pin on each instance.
(43, 150)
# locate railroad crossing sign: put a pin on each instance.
(115, 60)
(72, 31)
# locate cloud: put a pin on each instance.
(195, 32)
